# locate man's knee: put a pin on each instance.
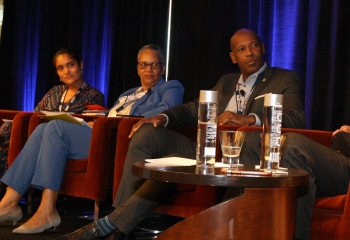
(294, 146)
(294, 140)
(144, 134)
(145, 129)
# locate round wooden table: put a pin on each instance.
(265, 210)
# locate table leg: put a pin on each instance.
(260, 213)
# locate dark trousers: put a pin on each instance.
(137, 197)
(328, 171)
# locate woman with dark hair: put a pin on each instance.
(71, 96)
(75, 93)
(42, 161)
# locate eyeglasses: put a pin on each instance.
(154, 65)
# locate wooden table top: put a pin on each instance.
(194, 175)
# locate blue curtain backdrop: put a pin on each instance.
(310, 37)
(98, 28)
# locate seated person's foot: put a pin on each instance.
(13, 215)
(91, 232)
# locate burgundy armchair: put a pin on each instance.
(87, 178)
(188, 199)
(5, 137)
(19, 133)
(8, 114)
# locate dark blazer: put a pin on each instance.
(272, 80)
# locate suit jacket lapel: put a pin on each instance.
(262, 79)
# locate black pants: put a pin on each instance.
(138, 197)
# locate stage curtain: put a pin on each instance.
(310, 37)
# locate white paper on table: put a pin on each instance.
(172, 161)
(178, 161)
(221, 165)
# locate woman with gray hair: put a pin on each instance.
(42, 161)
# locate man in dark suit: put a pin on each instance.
(328, 168)
(237, 104)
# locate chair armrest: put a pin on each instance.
(19, 134)
(320, 136)
(8, 114)
(123, 141)
(122, 146)
(100, 163)
(344, 229)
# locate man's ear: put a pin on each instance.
(233, 58)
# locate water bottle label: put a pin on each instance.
(276, 119)
(210, 146)
(209, 151)
(274, 157)
(276, 125)
(212, 113)
(211, 133)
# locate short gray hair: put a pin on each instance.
(154, 48)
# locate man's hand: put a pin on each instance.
(157, 121)
(236, 119)
(344, 128)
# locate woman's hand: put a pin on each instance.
(157, 121)
(344, 128)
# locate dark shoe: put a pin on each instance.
(115, 235)
(88, 232)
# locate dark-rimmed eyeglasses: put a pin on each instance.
(154, 65)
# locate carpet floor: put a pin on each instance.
(76, 213)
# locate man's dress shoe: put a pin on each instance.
(88, 232)
(92, 232)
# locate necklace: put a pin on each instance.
(61, 103)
